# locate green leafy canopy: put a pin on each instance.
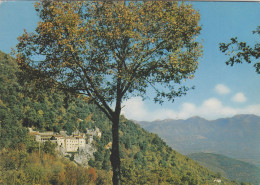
(104, 48)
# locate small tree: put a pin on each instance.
(49, 147)
(242, 52)
(110, 51)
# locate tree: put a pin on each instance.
(49, 147)
(111, 51)
(242, 51)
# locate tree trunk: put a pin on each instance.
(115, 158)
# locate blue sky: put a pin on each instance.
(220, 90)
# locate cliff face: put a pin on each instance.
(85, 154)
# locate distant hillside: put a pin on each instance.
(237, 137)
(145, 158)
(228, 167)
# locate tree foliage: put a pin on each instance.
(110, 51)
(11, 130)
(42, 109)
(242, 52)
(89, 46)
(20, 167)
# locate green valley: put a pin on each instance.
(228, 167)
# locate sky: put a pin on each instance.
(220, 90)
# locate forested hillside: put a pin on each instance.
(228, 167)
(146, 159)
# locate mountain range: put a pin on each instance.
(236, 137)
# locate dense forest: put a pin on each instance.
(146, 159)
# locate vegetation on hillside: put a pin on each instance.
(228, 167)
(146, 159)
(18, 166)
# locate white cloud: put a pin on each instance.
(239, 97)
(134, 108)
(1, 1)
(212, 104)
(211, 108)
(222, 89)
